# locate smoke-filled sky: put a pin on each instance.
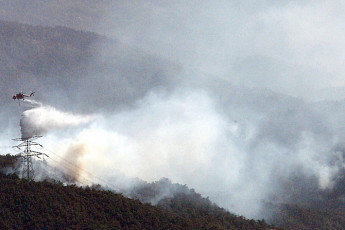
(218, 95)
(293, 47)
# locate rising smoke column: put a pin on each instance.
(239, 153)
(238, 159)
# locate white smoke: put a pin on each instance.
(40, 120)
(237, 159)
(286, 46)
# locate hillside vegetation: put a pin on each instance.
(45, 205)
(53, 205)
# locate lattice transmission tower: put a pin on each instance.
(28, 154)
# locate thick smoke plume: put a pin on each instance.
(240, 155)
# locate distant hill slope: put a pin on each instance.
(78, 14)
(45, 205)
(75, 65)
(329, 215)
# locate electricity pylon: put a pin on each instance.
(27, 154)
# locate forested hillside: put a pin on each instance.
(53, 205)
(327, 211)
(92, 207)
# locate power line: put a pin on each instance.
(28, 171)
(81, 169)
(64, 166)
(27, 154)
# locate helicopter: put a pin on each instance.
(22, 96)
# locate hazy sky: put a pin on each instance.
(293, 47)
